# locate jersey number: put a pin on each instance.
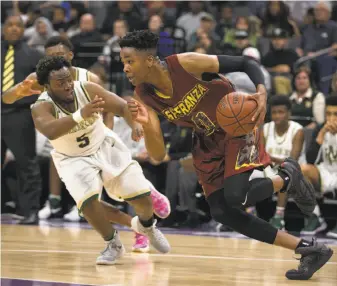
(83, 140)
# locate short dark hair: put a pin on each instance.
(331, 100)
(47, 65)
(10, 15)
(58, 40)
(277, 100)
(141, 40)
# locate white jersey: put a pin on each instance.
(81, 74)
(87, 136)
(329, 152)
(280, 146)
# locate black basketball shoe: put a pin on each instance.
(313, 257)
(298, 187)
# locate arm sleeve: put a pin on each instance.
(313, 148)
(228, 64)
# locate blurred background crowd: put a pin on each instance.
(295, 42)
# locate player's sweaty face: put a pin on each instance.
(331, 113)
(62, 85)
(279, 114)
(60, 50)
(133, 65)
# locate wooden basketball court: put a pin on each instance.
(67, 255)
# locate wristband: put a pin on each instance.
(77, 117)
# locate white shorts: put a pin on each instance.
(328, 179)
(111, 166)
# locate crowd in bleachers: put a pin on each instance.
(294, 42)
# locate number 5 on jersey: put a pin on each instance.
(83, 140)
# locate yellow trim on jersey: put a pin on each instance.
(85, 92)
(137, 195)
(87, 198)
(87, 75)
(161, 94)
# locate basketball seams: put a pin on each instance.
(230, 106)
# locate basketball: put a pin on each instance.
(234, 114)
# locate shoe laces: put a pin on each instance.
(109, 245)
(305, 261)
(157, 200)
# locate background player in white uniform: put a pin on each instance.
(283, 138)
(88, 155)
(323, 175)
(60, 46)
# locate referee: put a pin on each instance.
(17, 128)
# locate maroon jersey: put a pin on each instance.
(193, 104)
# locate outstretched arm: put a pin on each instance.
(154, 140)
(28, 87)
(298, 142)
(197, 64)
(45, 120)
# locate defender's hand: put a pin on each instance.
(25, 88)
(137, 132)
(95, 106)
(138, 111)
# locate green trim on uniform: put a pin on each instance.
(77, 74)
(138, 197)
(95, 196)
(85, 92)
(87, 75)
(51, 102)
(66, 111)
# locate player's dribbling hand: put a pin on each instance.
(261, 98)
(95, 106)
(25, 88)
(138, 112)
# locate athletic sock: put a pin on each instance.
(111, 236)
(147, 223)
(55, 201)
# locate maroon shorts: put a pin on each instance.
(217, 157)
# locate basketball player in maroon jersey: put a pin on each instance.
(186, 89)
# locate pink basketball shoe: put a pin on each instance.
(141, 244)
(161, 204)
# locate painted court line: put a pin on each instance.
(62, 282)
(159, 255)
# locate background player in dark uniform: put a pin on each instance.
(228, 168)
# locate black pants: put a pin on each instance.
(18, 134)
(225, 205)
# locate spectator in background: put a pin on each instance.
(307, 104)
(309, 18)
(241, 42)
(77, 9)
(241, 80)
(125, 10)
(242, 24)
(321, 34)
(199, 49)
(207, 25)
(43, 31)
(59, 19)
(166, 43)
(18, 60)
(226, 20)
(279, 61)
(159, 8)
(282, 138)
(322, 175)
(277, 16)
(334, 85)
(190, 21)
(87, 44)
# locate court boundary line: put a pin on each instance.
(62, 282)
(129, 254)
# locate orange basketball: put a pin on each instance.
(234, 114)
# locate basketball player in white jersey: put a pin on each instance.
(282, 138)
(88, 155)
(60, 46)
(322, 167)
